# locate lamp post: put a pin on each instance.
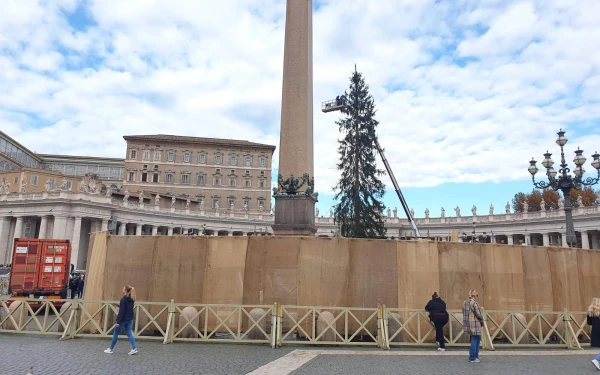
(565, 182)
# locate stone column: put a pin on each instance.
(585, 240)
(138, 229)
(510, 239)
(546, 239)
(75, 243)
(60, 227)
(43, 226)
(122, 229)
(104, 226)
(595, 241)
(564, 240)
(154, 230)
(5, 243)
(294, 215)
(170, 231)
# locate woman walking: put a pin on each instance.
(125, 320)
(439, 316)
(593, 319)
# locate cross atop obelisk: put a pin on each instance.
(295, 197)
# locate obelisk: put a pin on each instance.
(294, 196)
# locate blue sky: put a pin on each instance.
(467, 91)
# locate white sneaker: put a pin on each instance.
(596, 363)
(441, 350)
(476, 360)
(132, 352)
(108, 351)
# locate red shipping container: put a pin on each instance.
(40, 267)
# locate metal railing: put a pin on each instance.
(280, 325)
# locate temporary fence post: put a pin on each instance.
(571, 338)
(279, 325)
(486, 339)
(386, 329)
(274, 326)
(170, 323)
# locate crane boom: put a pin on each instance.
(411, 220)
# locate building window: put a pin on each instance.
(248, 161)
(34, 180)
(261, 184)
(156, 155)
(131, 176)
(218, 159)
(201, 180)
(185, 179)
(144, 177)
(232, 182)
(246, 203)
(156, 167)
(263, 162)
(247, 172)
(169, 178)
(146, 155)
(171, 156)
(215, 202)
(233, 160)
(231, 203)
(217, 170)
(217, 181)
(247, 183)
(133, 154)
(155, 177)
(232, 172)
(261, 204)
(16, 180)
(186, 157)
(52, 183)
(262, 173)
(69, 185)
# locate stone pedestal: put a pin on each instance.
(294, 216)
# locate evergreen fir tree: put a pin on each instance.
(359, 190)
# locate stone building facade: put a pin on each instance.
(214, 173)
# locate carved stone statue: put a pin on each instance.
(23, 188)
(561, 203)
(48, 185)
(157, 200)
(443, 213)
(317, 212)
(246, 206)
(4, 187)
(427, 213)
(412, 212)
(579, 201)
(173, 200)
(64, 185)
(395, 211)
(108, 192)
(543, 205)
(141, 197)
(457, 210)
(231, 206)
(507, 208)
(525, 207)
(389, 212)
(217, 205)
(491, 209)
(126, 196)
(474, 210)
(331, 212)
(202, 203)
(187, 204)
(92, 187)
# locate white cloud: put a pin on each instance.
(466, 91)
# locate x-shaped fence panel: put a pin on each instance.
(526, 328)
(45, 318)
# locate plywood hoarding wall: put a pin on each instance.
(340, 272)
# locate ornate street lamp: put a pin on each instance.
(565, 182)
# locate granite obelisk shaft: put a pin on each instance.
(294, 214)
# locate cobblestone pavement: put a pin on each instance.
(48, 355)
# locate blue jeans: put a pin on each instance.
(128, 325)
(474, 350)
(598, 357)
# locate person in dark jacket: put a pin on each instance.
(80, 284)
(439, 316)
(593, 319)
(125, 320)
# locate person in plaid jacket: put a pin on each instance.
(472, 322)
